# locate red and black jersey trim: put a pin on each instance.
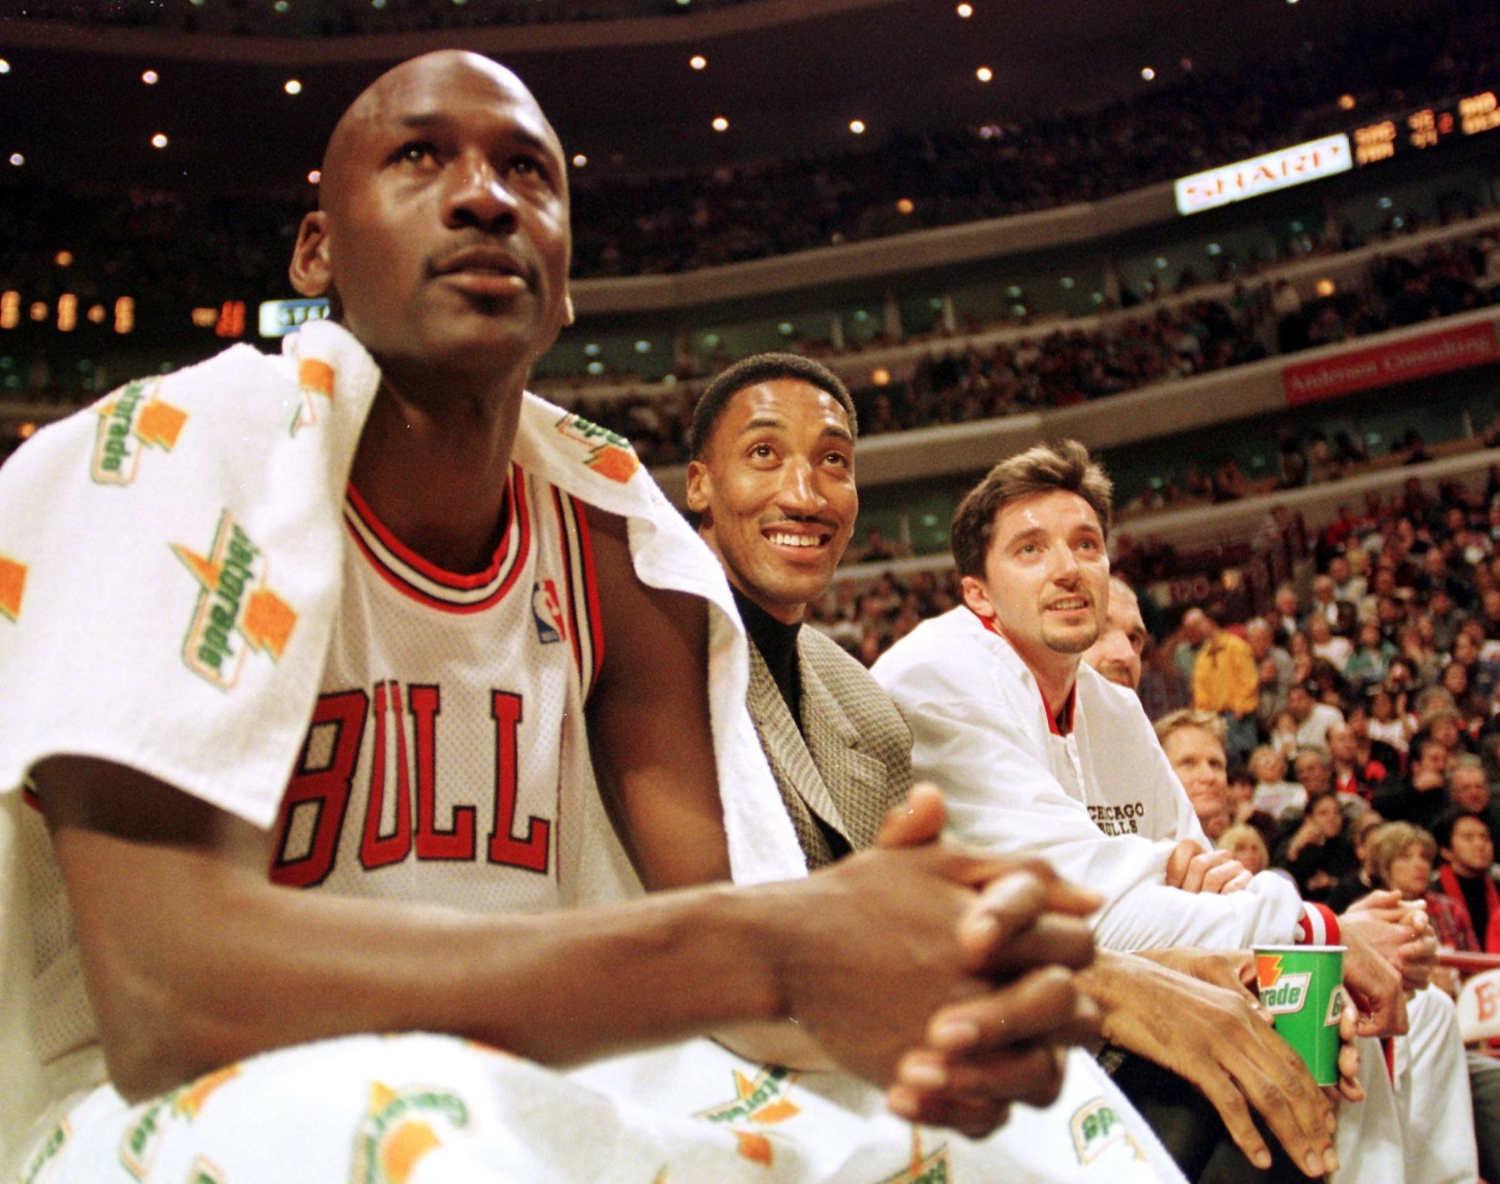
(426, 583)
(586, 629)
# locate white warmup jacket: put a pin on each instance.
(1101, 804)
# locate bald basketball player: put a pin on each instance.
(486, 627)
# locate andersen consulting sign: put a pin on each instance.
(1264, 174)
(1385, 365)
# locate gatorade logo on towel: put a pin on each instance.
(610, 455)
(12, 588)
(314, 377)
(130, 420)
(236, 611)
(400, 1128)
(936, 1168)
(1095, 1128)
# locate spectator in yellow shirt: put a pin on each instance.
(1225, 679)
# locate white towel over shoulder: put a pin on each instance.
(169, 571)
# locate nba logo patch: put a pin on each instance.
(546, 610)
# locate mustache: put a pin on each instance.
(479, 250)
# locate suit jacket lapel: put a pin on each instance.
(792, 764)
(854, 781)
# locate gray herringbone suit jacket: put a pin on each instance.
(855, 762)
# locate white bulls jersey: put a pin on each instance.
(442, 749)
(437, 764)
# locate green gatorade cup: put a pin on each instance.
(1303, 988)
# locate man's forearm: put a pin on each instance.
(200, 963)
(1210, 1034)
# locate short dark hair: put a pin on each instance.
(1420, 743)
(1443, 824)
(753, 371)
(1042, 468)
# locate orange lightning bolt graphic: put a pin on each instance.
(268, 622)
(12, 587)
(160, 424)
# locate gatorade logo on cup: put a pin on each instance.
(1335, 1008)
(1288, 995)
(1281, 993)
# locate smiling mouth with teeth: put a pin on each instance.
(796, 540)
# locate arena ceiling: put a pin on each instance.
(789, 75)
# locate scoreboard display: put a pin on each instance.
(1415, 131)
(1426, 128)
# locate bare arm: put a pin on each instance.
(1204, 1026)
(648, 717)
(194, 959)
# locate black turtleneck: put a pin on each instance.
(777, 643)
(1478, 902)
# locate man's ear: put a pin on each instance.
(977, 597)
(569, 316)
(311, 271)
(700, 487)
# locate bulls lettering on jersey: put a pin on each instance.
(426, 760)
(401, 793)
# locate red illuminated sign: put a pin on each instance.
(1385, 365)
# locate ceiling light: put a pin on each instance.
(580, 160)
(292, 87)
(150, 77)
(1148, 73)
(697, 61)
(984, 73)
(905, 205)
(965, 11)
(857, 126)
(4, 66)
(314, 177)
(17, 159)
(158, 141)
(63, 258)
(1346, 102)
(721, 124)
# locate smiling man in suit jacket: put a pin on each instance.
(771, 486)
